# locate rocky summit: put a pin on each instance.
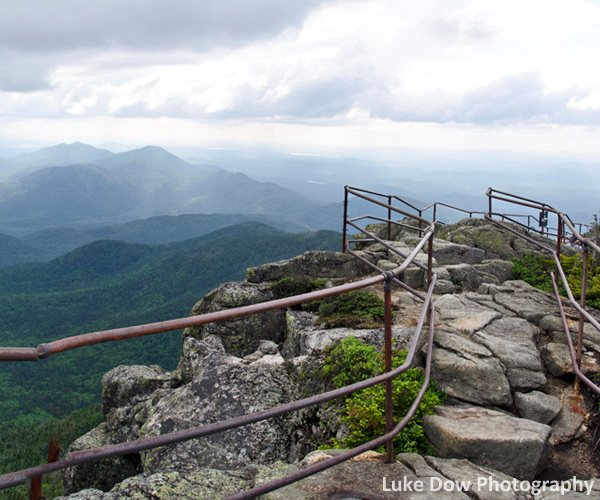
(511, 426)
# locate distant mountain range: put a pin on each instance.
(81, 186)
(110, 284)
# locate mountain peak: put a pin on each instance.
(64, 154)
(149, 155)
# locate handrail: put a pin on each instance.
(48, 349)
(563, 220)
(387, 277)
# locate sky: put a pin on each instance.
(310, 76)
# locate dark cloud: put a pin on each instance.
(19, 73)
(58, 25)
(38, 35)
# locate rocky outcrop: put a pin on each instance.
(499, 354)
(221, 387)
(240, 336)
(516, 446)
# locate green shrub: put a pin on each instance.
(364, 413)
(288, 287)
(350, 361)
(356, 309)
(535, 270)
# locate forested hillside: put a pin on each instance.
(109, 284)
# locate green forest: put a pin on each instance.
(110, 284)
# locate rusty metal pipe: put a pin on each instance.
(411, 256)
(344, 237)
(47, 349)
(85, 456)
(581, 318)
(389, 403)
(389, 224)
(18, 354)
(578, 373)
(385, 205)
(347, 455)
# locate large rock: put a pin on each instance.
(512, 341)
(446, 253)
(409, 477)
(125, 394)
(537, 406)
(460, 313)
(102, 474)
(240, 336)
(494, 241)
(221, 387)
(569, 422)
(524, 300)
(128, 385)
(313, 264)
(515, 446)
(468, 371)
(471, 277)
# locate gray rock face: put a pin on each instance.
(100, 475)
(128, 385)
(366, 476)
(495, 242)
(221, 387)
(511, 340)
(240, 336)
(570, 420)
(467, 371)
(125, 394)
(313, 264)
(471, 277)
(537, 406)
(462, 314)
(524, 300)
(515, 446)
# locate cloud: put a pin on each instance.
(80, 98)
(590, 102)
(23, 74)
(323, 63)
(42, 26)
(38, 36)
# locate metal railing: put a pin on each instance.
(388, 278)
(523, 220)
(564, 226)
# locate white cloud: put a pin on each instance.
(80, 98)
(589, 102)
(350, 64)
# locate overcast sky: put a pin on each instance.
(307, 75)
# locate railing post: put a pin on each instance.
(434, 211)
(558, 237)
(581, 319)
(344, 240)
(389, 223)
(35, 483)
(389, 404)
(429, 260)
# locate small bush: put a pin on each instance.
(288, 287)
(356, 309)
(364, 413)
(350, 361)
(535, 270)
